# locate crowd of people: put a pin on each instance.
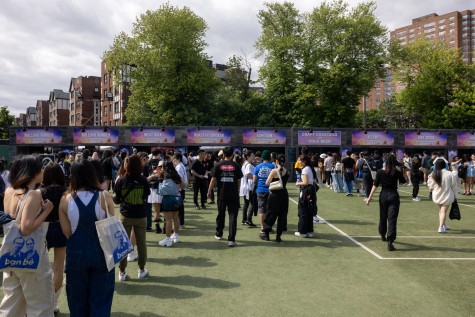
(70, 195)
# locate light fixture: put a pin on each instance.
(218, 129)
(46, 128)
(472, 131)
(198, 128)
(332, 130)
(386, 131)
(365, 131)
(310, 131)
(418, 131)
(254, 130)
(141, 128)
(83, 129)
(275, 129)
(106, 128)
(163, 128)
(439, 132)
(24, 129)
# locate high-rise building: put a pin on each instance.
(456, 28)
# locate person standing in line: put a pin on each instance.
(53, 188)
(90, 285)
(28, 293)
(347, 170)
(133, 190)
(389, 201)
(366, 174)
(227, 175)
(208, 164)
(327, 165)
(416, 177)
(444, 188)
(307, 199)
(198, 171)
(181, 170)
(247, 190)
(261, 173)
(425, 165)
(407, 161)
(154, 172)
(278, 202)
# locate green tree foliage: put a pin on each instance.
(319, 65)
(171, 82)
(438, 84)
(6, 121)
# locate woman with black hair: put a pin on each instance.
(171, 215)
(444, 189)
(388, 199)
(278, 201)
(53, 188)
(132, 191)
(28, 293)
(90, 285)
(307, 198)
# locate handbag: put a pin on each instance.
(114, 241)
(276, 185)
(18, 252)
(167, 188)
(455, 211)
(373, 173)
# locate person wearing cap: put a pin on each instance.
(261, 173)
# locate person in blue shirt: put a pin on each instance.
(261, 173)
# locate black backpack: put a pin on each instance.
(462, 171)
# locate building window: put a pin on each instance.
(78, 116)
(72, 118)
(116, 107)
(105, 111)
(442, 21)
(105, 78)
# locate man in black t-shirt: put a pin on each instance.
(227, 174)
(198, 171)
(347, 169)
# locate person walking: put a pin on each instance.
(389, 201)
(28, 293)
(347, 170)
(227, 175)
(248, 191)
(177, 160)
(261, 173)
(90, 285)
(416, 176)
(200, 183)
(444, 188)
(307, 199)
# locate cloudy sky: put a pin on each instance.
(45, 43)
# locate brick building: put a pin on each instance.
(114, 97)
(31, 117)
(42, 113)
(84, 101)
(456, 28)
(58, 108)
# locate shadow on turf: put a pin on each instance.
(200, 282)
(417, 247)
(142, 314)
(151, 286)
(185, 261)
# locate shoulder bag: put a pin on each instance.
(114, 241)
(19, 252)
(373, 173)
(276, 185)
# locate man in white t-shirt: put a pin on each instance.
(181, 170)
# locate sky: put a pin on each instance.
(43, 44)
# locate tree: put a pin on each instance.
(6, 121)
(280, 45)
(432, 74)
(344, 52)
(170, 81)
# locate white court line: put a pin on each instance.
(382, 258)
(348, 236)
(422, 237)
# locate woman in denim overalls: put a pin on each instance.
(89, 285)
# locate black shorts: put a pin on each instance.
(55, 237)
(262, 202)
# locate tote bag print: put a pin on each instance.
(21, 252)
(114, 240)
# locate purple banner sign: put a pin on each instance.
(200, 136)
(151, 136)
(52, 136)
(264, 137)
(465, 139)
(96, 136)
(319, 138)
(425, 139)
(372, 138)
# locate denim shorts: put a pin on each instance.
(262, 202)
(55, 237)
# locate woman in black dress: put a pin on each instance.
(278, 201)
(388, 199)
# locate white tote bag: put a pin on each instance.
(113, 239)
(18, 252)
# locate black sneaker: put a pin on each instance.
(250, 224)
(157, 228)
(197, 207)
(203, 206)
(264, 236)
(244, 222)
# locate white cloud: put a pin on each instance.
(45, 43)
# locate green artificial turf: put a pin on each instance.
(328, 275)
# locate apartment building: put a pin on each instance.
(85, 101)
(456, 28)
(58, 108)
(31, 117)
(42, 113)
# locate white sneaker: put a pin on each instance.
(218, 237)
(132, 256)
(309, 235)
(301, 235)
(122, 276)
(231, 244)
(441, 229)
(143, 273)
(175, 238)
(416, 199)
(167, 242)
(446, 227)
